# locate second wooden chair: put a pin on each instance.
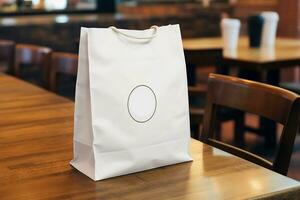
(7, 51)
(274, 103)
(32, 63)
(63, 66)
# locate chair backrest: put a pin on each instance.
(35, 56)
(62, 63)
(7, 51)
(271, 102)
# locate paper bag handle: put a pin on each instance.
(155, 28)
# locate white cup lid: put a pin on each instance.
(230, 22)
(270, 16)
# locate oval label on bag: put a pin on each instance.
(141, 103)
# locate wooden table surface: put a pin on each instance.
(285, 49)
(36, 129)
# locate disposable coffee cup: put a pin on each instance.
(269, 28)
(230, 33)
(255, 25)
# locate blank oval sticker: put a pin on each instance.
(141, 103)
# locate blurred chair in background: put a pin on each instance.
(32, 63)
(274, 103)
(292, 86)
(7, 51)
(198, 68)
(196, 112)
(63, 72)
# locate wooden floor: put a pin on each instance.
(254, 143)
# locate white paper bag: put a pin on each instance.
(131, 106)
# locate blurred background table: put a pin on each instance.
(265, 62)
(286, 53)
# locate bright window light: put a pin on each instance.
(55, 4)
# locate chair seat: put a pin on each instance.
(292, 86)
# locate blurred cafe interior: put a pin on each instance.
(242, 60)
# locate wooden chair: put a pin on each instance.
(274, 103)
(32, 63)
(7, 51)
(197, 114)
(63, 64)
(212, 57)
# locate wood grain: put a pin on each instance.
(36, 129)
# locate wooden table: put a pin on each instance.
(286, 52)
(266, 61)
(36, 129)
